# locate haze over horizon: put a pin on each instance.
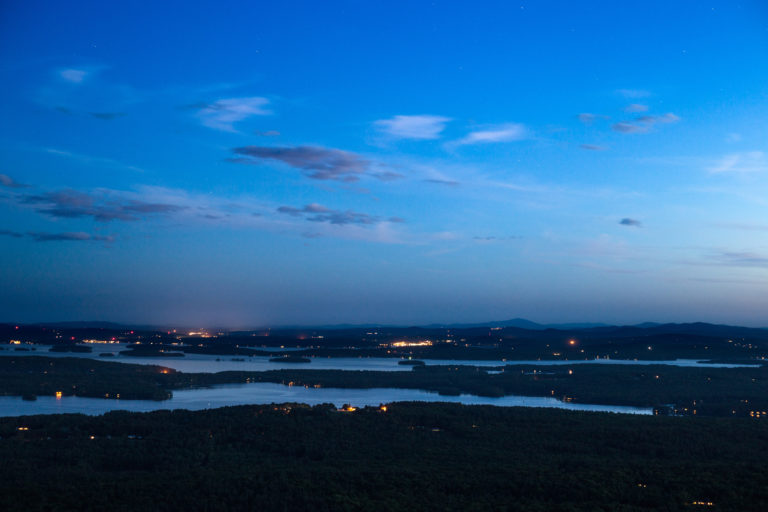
(384, 162)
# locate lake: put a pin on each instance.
(266, 393)
(205, 363)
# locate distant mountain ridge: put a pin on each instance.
(527, 324)
(522, 323)
(641, 329)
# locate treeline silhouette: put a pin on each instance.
(414, 456)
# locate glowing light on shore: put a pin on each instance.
(425, 343)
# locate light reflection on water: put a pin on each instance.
(266, 393)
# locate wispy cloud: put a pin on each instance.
(741, 259)
(532, 188)
(626, 127)
(589, 118)
(592, 147)
(319, 163)
(223, 114)
(439, 181)
(669, 117)
(170, 208)
(418, 127)
(70, 237)
(103, 207)
(75, 76)
(747, 162)
(387, 175)
(7, 181)
(636, 107)
(643, 124)
(508, 132)
(626, 221)
(350, 225)
(106, 116)
(92, 160)
(77, 236)
(318, 213)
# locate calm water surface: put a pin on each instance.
(266, 393)
(204, 363)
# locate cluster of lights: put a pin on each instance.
(425, 343)
(199, 334)
(351, 408)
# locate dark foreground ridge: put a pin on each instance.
(413, 456)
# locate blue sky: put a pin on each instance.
(266, 163)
